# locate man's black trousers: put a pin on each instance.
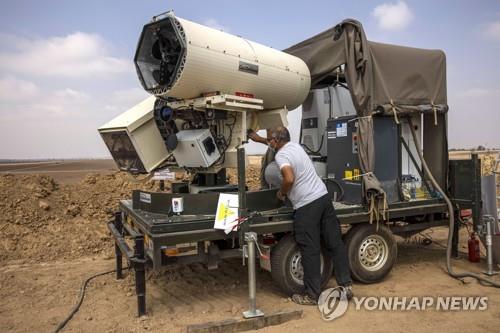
(314, 222)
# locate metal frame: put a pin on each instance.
(139, 226)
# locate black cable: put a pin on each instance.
(338, 83)
(75, 309)
(222, 158)
(342, 192)
(315, 152)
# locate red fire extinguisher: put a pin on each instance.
(474, 254)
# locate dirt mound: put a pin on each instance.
(42, 220)
(488, 163)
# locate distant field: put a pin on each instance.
(465, 154)
(64, 171)
(70, 171)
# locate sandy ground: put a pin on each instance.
(35, 297)
(37, 289)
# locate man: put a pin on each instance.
(314, 216)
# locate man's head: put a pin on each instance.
(277, 137)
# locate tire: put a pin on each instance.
(286, 266)
(372, 253)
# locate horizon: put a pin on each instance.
(21, 160)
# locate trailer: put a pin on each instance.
(149, 236)
(374, 123)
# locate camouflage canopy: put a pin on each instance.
(379, 76)
(382, 79)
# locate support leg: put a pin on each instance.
(251, 238)
(119, 268)
(118, 253)
(490, 220)
(140, 276)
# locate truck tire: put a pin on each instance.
(286, 266)
(372, 253)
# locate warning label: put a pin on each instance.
(341, 129)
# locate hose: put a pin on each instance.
(75, 309)
(451, 272)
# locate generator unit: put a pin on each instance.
(343, 162)
(328, 134)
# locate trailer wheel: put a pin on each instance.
(372, 253)
(286, 266)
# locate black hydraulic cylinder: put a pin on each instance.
(242, 192)
(242, 199)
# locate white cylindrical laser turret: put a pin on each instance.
(182, 59)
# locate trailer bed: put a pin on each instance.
(172, 229)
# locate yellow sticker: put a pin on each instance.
(356, 174)
(224, 211)
(348, 174)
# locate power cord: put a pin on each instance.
(75, 309)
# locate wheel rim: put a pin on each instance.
(297, 270)
(373, 252)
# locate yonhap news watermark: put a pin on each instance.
(438, 303)
(333, 303)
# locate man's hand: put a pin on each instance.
(280, 195)
(252, 135)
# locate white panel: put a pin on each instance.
(149, 145)
(320, 105)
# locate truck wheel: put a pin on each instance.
(286, 266)
(371, 252)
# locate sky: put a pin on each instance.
(66, 67)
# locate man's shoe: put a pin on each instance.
(348, 291)
(303, 299)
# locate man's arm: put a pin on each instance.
(255, 137)
(288, 179)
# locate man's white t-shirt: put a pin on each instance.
(307, 185)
